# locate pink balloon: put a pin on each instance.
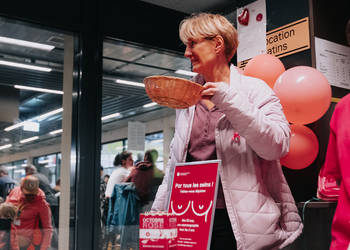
(305, 94)
(303, 148)
(265, 67)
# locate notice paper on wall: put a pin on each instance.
(333, 60)
(251, 27)
(136, 136)
(193, 200)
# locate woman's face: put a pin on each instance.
(129, 162)
(202, 54)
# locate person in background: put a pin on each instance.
(337, 166)
(139, 158)
(6, 182)
(240, 121)
(57, 188)
(8, 233)
(103, 208)
(157, 176)
(103, 199)
(124, 162)
(44, 185)
(142, 176)
(32, 211)
(106, 178)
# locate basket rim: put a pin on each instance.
(170, 78)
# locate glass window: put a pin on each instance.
(31, 108)
(49, 165)
(125, 100)
(108, 153)
(15, 169)
(155, 141)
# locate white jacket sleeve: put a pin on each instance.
(256, 114)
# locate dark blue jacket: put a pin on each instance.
(6, 185)
(124, 206)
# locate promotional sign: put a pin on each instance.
(193, 200)
(286, 40)
(157, 230)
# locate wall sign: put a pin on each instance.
(251, 27)
(193, 200)
(333, 60)
(136, 136)
(286, 40)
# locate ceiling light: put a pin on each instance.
(38, 118)
(29, 139)
(39, 89)
(185, 72)
(25, 66)
(44, 161)
(149, 105)
(44, 116)
(5, 146)
(137, 84)
(110, 116)
(56, 131)
(17, 125)
(26, 43)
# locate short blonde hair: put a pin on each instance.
(8, 211)
(30, 184)
(206, 25)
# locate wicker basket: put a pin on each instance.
(173, 92)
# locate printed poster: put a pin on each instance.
(333, 60)
(251, 28)
(136, 136)
(193, 200)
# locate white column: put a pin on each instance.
(63, 240)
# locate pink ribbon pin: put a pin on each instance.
(236, 137)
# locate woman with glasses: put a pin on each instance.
(239, 120)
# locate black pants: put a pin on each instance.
(222, 237)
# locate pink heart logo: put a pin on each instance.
(243, 18)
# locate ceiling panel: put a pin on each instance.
(121, 60)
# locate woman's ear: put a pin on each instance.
(219, 44)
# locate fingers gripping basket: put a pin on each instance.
(173, 92)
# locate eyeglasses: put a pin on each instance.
(192, 43)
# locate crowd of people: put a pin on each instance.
(28, 211)
(128, 191)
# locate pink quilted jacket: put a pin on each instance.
(260, 205)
